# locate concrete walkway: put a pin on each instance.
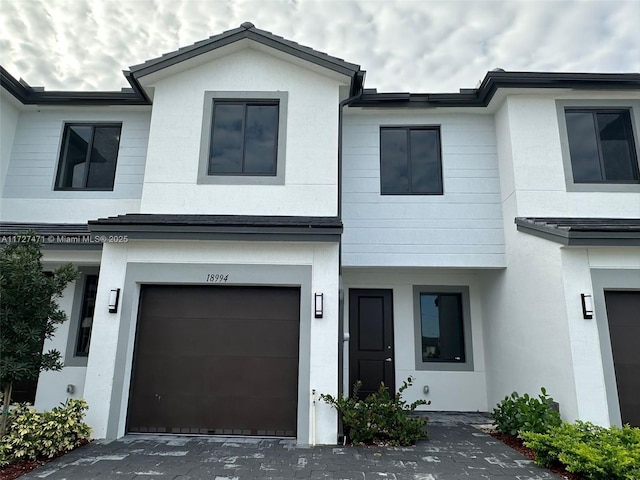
(455, 451)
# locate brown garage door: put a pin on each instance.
(216, 360)
(624, 329)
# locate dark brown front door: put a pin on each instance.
(216, 360)
(371, 357)
(623, 313)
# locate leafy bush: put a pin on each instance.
(515, 413)
(32, 434)
(381, 418)
(597, 453)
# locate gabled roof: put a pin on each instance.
(586, 232)
(247, 31)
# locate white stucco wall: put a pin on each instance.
(28, 194)
(461, 228)
(448, 390)
(323, 259)
(310, 186)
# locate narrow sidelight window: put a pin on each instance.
(601, 146)
(441, 324)
(86, 316)
(410, 161)
(244, 138)
(88, 157)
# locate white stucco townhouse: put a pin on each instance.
(255, 228)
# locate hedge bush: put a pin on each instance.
(381, 418)
(515, 413)
(597, 453)
(32, 434)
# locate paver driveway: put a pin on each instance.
(454, 451)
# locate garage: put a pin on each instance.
(216, 360)
(624, 331)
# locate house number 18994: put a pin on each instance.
(217, 277)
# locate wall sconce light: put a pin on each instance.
(319, 304)
(114, 296)
(587, 306)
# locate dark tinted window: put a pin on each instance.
(410, 161)
(441, 327)
(601, 146)
(88, 157)
(86, 317)
(244, 138)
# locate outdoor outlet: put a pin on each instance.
(425, 389)
(71, 388)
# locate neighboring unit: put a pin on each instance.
(254, 228)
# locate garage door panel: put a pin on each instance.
(213, 359)
(624, 332)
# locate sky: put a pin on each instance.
(420, 46)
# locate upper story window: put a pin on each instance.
(601, 145)
(243, 138)
(410, 161)
(88, 156)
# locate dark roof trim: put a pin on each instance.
(249, 31)
(585, 232)
(28, 95)
(51, 235)
(481, 96)
(219, 227)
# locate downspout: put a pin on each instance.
(341, 337)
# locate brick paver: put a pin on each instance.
(455, 451)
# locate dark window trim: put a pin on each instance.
(632, 105)
(594, 111)
(246, 103)
(444, 365)
(93, 125)
(75, 318)
(408, 129)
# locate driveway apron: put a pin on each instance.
(453, 451)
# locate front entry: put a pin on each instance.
(624, 331)
(371, 358)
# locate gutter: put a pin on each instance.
(341, 336)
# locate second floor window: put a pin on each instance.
(601, 146)
(244, 138)
(88, 156)
(410, 161)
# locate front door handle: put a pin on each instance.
(388, 359)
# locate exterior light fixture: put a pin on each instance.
(318, 304)
(587, 306)
(114, 297)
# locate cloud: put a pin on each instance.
(405, 45)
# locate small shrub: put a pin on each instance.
(381, 418)
(597, 453)
(515, 413)
(32, 434)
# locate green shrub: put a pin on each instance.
(381, 418)
(32, 434)
(515, 413)
(597, 453)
